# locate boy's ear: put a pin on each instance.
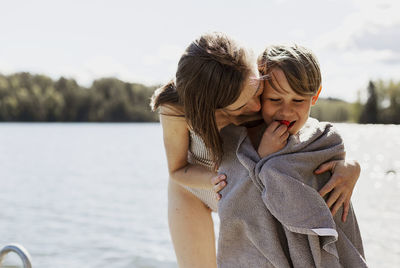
(315, 97)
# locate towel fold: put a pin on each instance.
(271, 214)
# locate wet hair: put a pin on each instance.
(298, 63)
(210, 76)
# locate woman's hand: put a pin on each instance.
(340, 186)
(219, 183)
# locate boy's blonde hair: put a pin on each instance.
(298, 63)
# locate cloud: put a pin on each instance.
(379, 38)
(370, 56)
(375, 25)
(364, 46)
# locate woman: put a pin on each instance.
(217, 83)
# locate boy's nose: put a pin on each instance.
(286, 111)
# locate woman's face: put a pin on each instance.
(248, 103)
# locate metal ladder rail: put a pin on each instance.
(20, 251)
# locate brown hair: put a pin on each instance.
(210, 76)
(298, 63)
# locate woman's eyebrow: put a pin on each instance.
(258, 88)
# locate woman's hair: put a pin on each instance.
(210, 76)
(298, 63)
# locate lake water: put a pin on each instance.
(94, 195)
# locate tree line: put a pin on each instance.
(381, 107)
(37, 98)
(25, 97)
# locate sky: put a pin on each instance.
(142, 41)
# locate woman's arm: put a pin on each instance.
(176, 143)
(345, 174)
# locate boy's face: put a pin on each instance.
(285, 104)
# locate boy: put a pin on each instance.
(271, 214)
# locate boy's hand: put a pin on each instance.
(274, 139)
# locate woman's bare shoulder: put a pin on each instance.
(171, 110)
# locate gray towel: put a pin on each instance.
(271, 214)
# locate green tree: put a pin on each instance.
(369, 113)
(389, 112)
(28, 97)
(332, 110)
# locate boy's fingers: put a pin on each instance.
(281, 130)
(285, 135)
(272, 127)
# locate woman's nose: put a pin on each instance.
(255, 104)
